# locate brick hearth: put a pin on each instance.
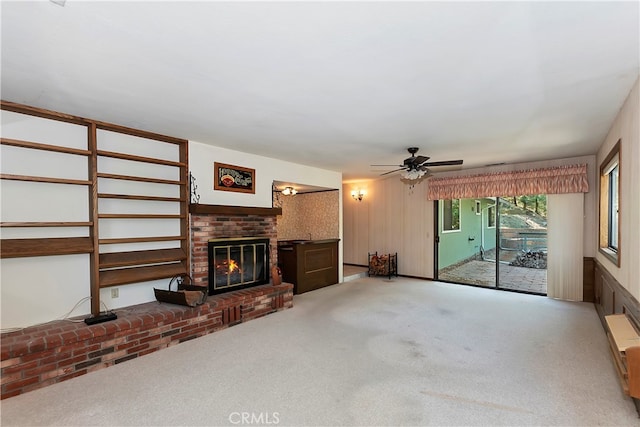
(46, 354)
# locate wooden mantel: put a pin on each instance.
(195, 208)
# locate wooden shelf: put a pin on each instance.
(124, 276)
(40, 112)
(30, 178)
(136, 197)
(45, 147)
(233, 210)
(127, 259)
(138, 178)
(46, 224)
(140, 216)
(140, 239)
(131, 157)
(140, 133)
(16, 248)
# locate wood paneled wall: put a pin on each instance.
(392, 217)
(611, 297)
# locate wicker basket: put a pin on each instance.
(186, 293)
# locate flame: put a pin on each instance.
(233, 266)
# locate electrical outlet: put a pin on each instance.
(115, 293)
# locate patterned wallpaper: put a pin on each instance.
(312, 216)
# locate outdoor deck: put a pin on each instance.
(483, 273)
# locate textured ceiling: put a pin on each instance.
(336, 85)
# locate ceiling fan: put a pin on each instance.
(416, 166)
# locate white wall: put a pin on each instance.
(626, 128)
(40, 289)
(202, 157)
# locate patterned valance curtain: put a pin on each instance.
(556, 180)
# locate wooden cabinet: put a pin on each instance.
(624, 341)
(619, 312)
(308, 264)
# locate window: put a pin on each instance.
(491, 216)
(609, 205)
(478, 208)
(451, 215)
(613, 208)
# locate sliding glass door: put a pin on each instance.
(467, 241)
(523, 244)
(493, 242)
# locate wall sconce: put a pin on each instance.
(289, 191)
(358, 194)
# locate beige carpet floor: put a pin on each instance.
(370, 351)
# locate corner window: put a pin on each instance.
(610, 204)
(451, 215)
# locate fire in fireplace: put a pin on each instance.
(237, 263)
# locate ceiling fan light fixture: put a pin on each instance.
(416, 167)
(413, 174)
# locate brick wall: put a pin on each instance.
(214, 226)
(46, 354)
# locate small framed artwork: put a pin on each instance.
(233, 178)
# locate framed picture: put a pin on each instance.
(233, 178)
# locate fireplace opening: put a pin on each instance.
(237, 263)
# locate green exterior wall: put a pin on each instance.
(455, 246)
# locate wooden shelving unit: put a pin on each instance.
(45, 246)
(134, 266)
(107, 268)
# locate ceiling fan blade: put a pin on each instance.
(443, 163)
(398, 166)
(387, 173)
(421, 159)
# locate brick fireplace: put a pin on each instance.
(238, 263)
(222, 222)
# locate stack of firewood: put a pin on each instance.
(379, 265)
(530, 259)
